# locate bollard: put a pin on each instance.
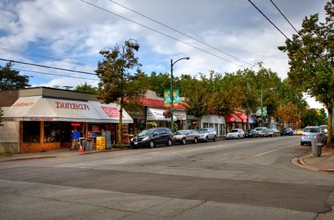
(316, 150)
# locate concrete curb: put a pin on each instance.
(301, 163)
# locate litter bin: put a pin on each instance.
(89, 144)
(316, 148)
(83, 143)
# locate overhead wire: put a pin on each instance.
(284, 16)
(277, 28)
(53, 74)
(180, 32)
(161, 33)
(50, 67)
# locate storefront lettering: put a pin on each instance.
(111, 112)
(68, 105)
(23, 104)
(41, 119)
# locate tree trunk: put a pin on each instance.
(329, 126)
(120, 123)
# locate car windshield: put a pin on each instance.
(202, 131)
(312, 130)
(146, 132)
(181, 132)
(234, 131)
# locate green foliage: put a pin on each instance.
(313, 117)
(11, 79)
(86, 88)
(116, 79)
(311, 60)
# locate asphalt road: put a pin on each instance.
(234, 179)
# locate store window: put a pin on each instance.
(51, 132)
(31, 132)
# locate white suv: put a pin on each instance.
(235, 133)
(206, 134)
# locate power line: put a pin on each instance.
(50, 67)
(284, 16)
(53, 74)
(269, 20)
(159, 32)
(298, 48)
(38, 55)
(180, 32)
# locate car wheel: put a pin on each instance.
(206, 139)
(214, 138)
(152, 144)
(169, 142)
(184, 141)
(195, 140)
(301, 143)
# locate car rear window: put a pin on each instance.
(312, 130)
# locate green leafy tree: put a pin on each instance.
(196, 97)
(86, 88)
(11, 79)
(311, 60)
(116, 80)
(314, 117)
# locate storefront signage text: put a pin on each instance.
(68, 105)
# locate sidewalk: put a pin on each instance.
(323, 163)
(54, 154)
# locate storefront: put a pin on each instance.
(239, 120)
(216, 122)
(44, 123)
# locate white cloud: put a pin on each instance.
(74, 30)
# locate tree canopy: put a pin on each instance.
(116, 79)
(311, 60)
(11, 79)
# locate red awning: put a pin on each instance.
(233, 118)
(238, 117)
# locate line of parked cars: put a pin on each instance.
(156, 136)
(252, 133)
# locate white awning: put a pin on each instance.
(110, 112)
(155, 114)
(38, 108)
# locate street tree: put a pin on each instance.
(116, 79)
(314, 117)
(311, 60)
(86, 88)
(11, 79)
(196, 97)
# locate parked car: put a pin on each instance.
(184, 136)
(152, 137)
(287, 132)
(260, 130)
(299, 131)
(313, 132)
(235, 133)
(206, 134)
(251, 133)
(271, 132)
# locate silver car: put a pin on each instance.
(235, 134)
(311, 132)
(206, 134)
(184, 136)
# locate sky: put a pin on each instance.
(219, 35)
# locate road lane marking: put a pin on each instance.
(268, 152)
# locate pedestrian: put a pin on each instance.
(75, 139)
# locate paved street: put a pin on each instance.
(234, 179)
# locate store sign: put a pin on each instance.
(70, 105)
(111, 112)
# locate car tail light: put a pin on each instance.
(303, 134)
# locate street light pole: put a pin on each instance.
(261, 108)
(171, 88)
